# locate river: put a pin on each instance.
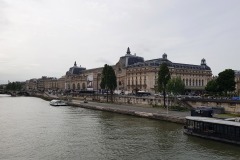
(32, 129)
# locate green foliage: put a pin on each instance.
(103, 83)
(112, 79)
(226, 81)
(212, 86)
(14, 86)
(178, 108)
(163, 78)
(176, 86)
(109, 80)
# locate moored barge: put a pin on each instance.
(212, 128)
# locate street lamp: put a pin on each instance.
(97, 84)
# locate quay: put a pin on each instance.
(140, 111)
(157, 113)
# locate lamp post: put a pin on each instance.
(97, 84)
(167, 104)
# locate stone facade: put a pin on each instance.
(31, 84)
(133, 73)
(143, 76)
(237, 80)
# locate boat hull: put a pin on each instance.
(58, 103)
(191, 133)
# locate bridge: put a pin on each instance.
(16, 93)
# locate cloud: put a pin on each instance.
(46, 37)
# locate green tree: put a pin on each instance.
(226, 81)
(176, 86)
(212, 86)
(14, 86)
(109, 80)
(103, 77)
(112, 82)
(163, 78)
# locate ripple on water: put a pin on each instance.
(32, 129)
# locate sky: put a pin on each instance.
(45, 37)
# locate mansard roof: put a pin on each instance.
(130, 59)
(237, 72)
(159, 61)
(190, 66)
(75, 69)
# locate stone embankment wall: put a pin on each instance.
(146, 101)
(228, 105)
(164, 117)
(130, 111)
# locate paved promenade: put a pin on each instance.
(142, 111)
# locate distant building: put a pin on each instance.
(132, 72)
(75, 78)
(31, 84)
(237, 80)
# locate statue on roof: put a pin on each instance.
(128, 51)
(164, 56)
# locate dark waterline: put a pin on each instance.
(32, 129)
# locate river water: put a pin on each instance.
(32, 129)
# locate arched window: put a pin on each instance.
(73, 86)
(193, 82)
(83, 86)
(202, 83)
(78, 86)
(199, 82)
(186, 82)
(190, 82)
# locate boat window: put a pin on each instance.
(231, 131)
(238, 133)
(225, 131)
(190, 123)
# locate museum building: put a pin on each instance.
(134, 73)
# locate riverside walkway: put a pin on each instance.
(135, 110)
(141, 111)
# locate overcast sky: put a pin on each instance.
(45, 37)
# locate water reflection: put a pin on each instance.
(32, 129)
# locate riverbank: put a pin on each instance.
(140, 111)
(153, 113)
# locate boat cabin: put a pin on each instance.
(217, 129)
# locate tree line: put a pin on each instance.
(14, 86)
(223, 84)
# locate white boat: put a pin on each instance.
(57, 102)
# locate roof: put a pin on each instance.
(213, 120)
(159, 61)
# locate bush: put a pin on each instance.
(178, 108)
